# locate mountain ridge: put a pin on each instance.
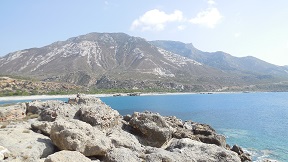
(117, 60)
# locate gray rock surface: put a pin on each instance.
(122, 138)
(198, 151)
(75, 135)
(122, 154)
(12, 112)
(67, 156)
(99, 115)
(4, 153)
(24, 144)
(51, 110)
(42, 127)
(152, 128)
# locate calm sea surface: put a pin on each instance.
(256, 121)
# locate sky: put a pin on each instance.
(239, 27)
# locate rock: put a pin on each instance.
(122, 138)
(122, 154)
(13, 112)
(99, 115)
(174, 122)
(237, 149)
(51, 110)
(42, 127)
(85, 100)
(4, 153)
(190, 150)
(127, 117)
(161, 155)
(243, 156)
(24, 144)
(75, 135)
(200, 132)
(68, 156)
(151, 128)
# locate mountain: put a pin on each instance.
(120, 61)
(223, 61)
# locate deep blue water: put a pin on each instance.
(257, 122)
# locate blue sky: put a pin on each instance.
(239, 27)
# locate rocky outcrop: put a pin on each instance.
(151, 128)
(198, 151)
(24, 144)
(51, 110)
(69, 156)
(99, 115)
(12, 112)
(86, 129)
(79, 136)
(244, 156)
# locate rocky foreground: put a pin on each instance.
(86, 129)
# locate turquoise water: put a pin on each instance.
(256, 121)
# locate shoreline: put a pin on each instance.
(39, 97)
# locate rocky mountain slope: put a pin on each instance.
(120, 61)
(85, 129)
(10, 87)
(224, 61)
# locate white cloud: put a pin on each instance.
(211, 2)
(236, 35)
(181, 27)
(209, 18)
(156, 20)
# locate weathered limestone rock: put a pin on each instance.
(51, 110)
(42, 127)
(4, 153)
(121, 138)
(85, 100)
(12, 112)
(198, 151)
(75, 135)
(67, 156)
(243, 156)
(122, 154)
(200, 132)
(152, 128)
(24, 144)
(99, 115)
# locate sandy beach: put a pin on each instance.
(39, 97)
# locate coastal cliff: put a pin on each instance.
(86, 129)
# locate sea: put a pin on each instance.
(258, 122)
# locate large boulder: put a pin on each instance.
(243, 156)
(12, 112)
(190, 150)
(24, 144)
(99, 115)
(42, 127)
(51, 110)
(68, 156)
(122, 154)
(75, 135)
(122, 138)
(200, 132)
(152, 128)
